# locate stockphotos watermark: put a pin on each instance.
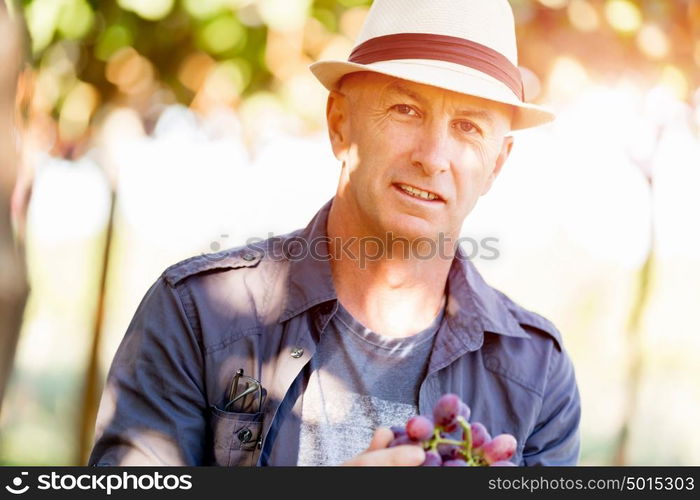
(101, 482)
(366, 249)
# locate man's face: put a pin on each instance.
(416, 157)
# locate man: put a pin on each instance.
(331, 340)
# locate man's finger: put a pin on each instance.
(406, 455)
(382, 437)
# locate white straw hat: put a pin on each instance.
(467, 46)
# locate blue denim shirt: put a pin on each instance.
(263, 308)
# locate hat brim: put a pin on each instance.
(444, 75)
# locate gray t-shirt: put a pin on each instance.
(357, 381)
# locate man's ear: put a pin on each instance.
(506, 147)
(338, 118)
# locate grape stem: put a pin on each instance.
(435, 441)
(465, 445)
(449, 441)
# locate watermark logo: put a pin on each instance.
(16, 488)
(367, 249)
(215, 246)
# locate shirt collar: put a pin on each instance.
(473, 307)
(310, 281)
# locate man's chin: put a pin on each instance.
(413, 231)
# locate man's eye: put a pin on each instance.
(466, 126)
(405, 109)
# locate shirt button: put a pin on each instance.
(244, 435)
(297, 352)
(248, 256)
(491, 362)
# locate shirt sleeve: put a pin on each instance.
(153, 407)
(555, 439)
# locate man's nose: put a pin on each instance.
(431, 150)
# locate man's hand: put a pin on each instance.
(378, 454)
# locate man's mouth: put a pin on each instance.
(418, 193)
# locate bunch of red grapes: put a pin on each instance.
(450, 416)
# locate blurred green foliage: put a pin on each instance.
(165, 32)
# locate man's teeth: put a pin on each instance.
(426, 195)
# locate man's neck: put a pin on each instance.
(393, 294)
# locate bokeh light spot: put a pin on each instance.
(675, 81)
(75, 19)
(583, 16)
(284, 15)
(222, 34)
(554, 4)
(623, 15)
(653, 42)
(151, 10)
(112, 39)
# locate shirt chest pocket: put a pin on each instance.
(236, 437)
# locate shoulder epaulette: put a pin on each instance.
(534, 320)
(526, 317)
(226, 259)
